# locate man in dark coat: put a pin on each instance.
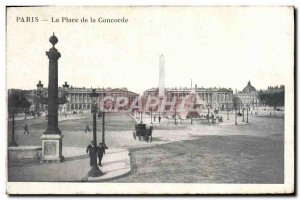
(91, 151)
(100, 152)
(26, 129)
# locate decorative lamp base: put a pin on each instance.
(95, 171)
(13, 143)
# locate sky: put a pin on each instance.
(213, 46)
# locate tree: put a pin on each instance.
(273, 99)
(236, 102)
(17, 101)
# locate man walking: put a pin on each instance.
(26, 129)
(91, 151)
(100, 152)
(159, 118)
(87, 128)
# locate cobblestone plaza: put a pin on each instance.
(224, 153)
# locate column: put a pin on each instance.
(52, 137)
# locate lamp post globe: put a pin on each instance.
(39, 88)
(66, 89)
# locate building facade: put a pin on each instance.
(274, 89)
(248, 96)
(78, 98)
(217, 98)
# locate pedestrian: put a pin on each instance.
(26, 129)
(87, 128)
(154, 118)
(159, 118)
(91, 150)
(100, 152)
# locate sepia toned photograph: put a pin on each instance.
(150, 100)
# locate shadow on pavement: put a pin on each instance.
(76, 157)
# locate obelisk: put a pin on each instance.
(161, 86)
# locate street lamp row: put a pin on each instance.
(65, 91)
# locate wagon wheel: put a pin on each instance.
(134, 136)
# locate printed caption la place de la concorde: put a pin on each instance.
(33, 19)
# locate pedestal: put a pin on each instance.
(52, 148)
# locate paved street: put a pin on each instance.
(116, 163)
(223, 153)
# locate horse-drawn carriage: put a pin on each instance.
(141, 132)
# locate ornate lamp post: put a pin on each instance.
(175, 116)
(247, 113)
(235, 108)
(95, 171)
(13, 142)
(243, 110)
(39, 90)
(39, 93)
(103, 130)
(65, 89)
(65, 93)
(52, 137)
(236, 104)
(151, 115)
(208, 108)
(227, 111)
(256, 108)
(141, 113)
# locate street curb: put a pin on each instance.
(245, 124)
(86, 178)
(116, 177)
